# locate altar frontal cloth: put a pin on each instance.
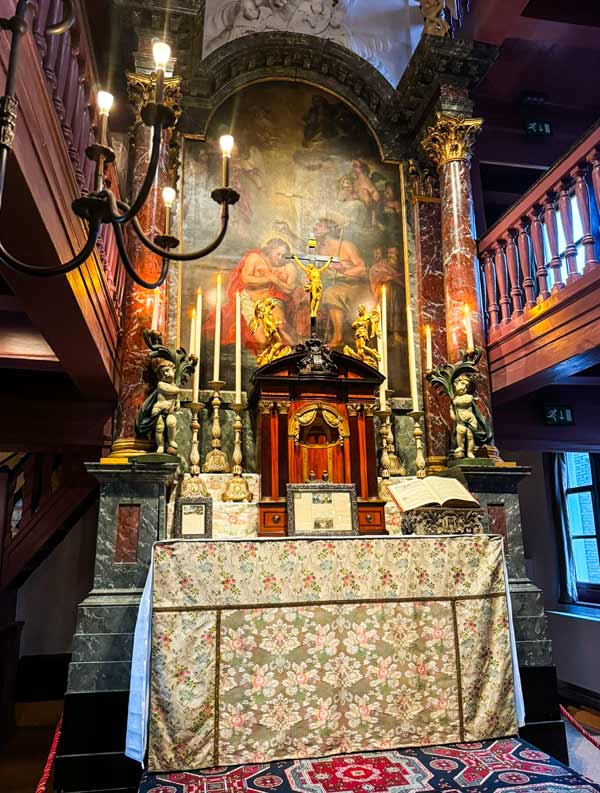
(274, 649)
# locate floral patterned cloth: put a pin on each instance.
(267, 650)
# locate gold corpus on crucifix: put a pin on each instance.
(365, 327)
(313, 273)
(263, 314)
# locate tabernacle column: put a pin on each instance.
(139, 302)
(448, 143)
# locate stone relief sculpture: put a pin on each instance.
(168, 370)
(383, 32)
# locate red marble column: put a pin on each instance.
(138, 302)
(448, 143)
(431, 306)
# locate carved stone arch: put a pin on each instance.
(262, 57)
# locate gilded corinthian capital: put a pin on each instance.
(140, 90)
(451, 138)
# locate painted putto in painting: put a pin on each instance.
(303, 162)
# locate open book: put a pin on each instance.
(410, 493)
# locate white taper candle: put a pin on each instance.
(155, 309)
(238, 349)
(412, 360)
(217, 355)
(428, 349)
(197, 344)
(468, 328)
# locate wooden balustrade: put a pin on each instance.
(70, 69)
(547, 241)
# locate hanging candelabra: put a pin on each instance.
(101, 206)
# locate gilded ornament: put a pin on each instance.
(451, 138)
(263, 314)
(365, 327)
(434, 24)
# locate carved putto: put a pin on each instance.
(263, 315)
(470, 429)
(365, 327)
(169, 370)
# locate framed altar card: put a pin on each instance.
(321, 508)
(193, 517)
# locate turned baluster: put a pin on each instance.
(582, 194)
(77, 126)
(566, 218)
(516, 293)
(594, 160)
(555, 263)
(525, 262)
(501, 280)
(490, 289)
(63, 73)
(52, 45)
(39, 26)
(537, 242)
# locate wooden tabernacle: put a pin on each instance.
(315, 414)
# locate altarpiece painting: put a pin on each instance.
(303, 162)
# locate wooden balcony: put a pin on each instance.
(541, 278)
(69, 323)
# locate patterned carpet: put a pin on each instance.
(508, 765)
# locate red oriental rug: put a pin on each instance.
(508, 765)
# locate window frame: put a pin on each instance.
(588, 592)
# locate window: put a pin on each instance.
(581, 488)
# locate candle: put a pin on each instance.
(217, 355)
(238, 349)
(428, 350)
(197, 342)
(468, 328)
(414, 394)
(382, 387)
(384, 335)
(192, 332)
(155, 309)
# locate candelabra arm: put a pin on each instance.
(66, 22)
(122, 248)
(193, 255)
(28, 269)
(132, 210)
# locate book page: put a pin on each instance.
(410, 493)
(447, 490)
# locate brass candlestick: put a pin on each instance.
(216, 460)
(237, 488)
(384, 470)
(416, 416)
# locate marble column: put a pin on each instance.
(138, 302)
(426, 206)
(448, 143)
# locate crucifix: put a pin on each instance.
(313, 273)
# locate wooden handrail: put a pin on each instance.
(547, 240)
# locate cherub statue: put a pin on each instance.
(470, 429)
(463, 413)
(365, 327)
(314, 285)
(263, 312)
(157, 416)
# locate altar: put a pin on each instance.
(248, 651)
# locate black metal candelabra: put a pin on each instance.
(101, 205)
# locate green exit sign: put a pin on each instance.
(558, 415)
(538, 129)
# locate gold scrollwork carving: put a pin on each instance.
(451, 138)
